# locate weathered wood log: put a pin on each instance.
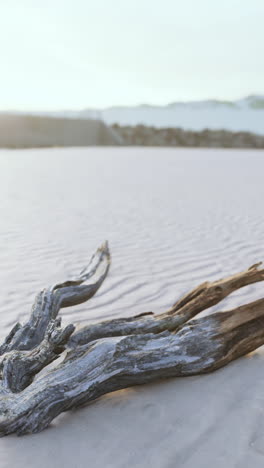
(18, 368)
(117, 353)
(49, 301)
(201, 298)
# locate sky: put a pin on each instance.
(75, 54)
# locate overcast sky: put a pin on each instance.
(59, 54)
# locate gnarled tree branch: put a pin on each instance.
(199, 299)
(49, 301)
(117, 353)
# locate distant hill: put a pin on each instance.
(238, 124)
(242, 115)
(25, 131)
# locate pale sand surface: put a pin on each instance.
(174, 218)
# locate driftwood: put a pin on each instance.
(118, 353)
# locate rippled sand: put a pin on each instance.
(174, 218)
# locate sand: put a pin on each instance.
(29, 131)
(174, 218)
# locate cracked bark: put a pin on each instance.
(115, 354)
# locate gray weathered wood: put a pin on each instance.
(50, 300)
(199, 299)
(115, 354)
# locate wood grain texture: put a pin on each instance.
(118, 353)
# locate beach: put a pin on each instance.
(174, 218)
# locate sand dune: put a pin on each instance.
(18, 131)
(35, 131)
(174, 218)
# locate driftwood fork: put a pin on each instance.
(118, 353)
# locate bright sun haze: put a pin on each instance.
(78, 53)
